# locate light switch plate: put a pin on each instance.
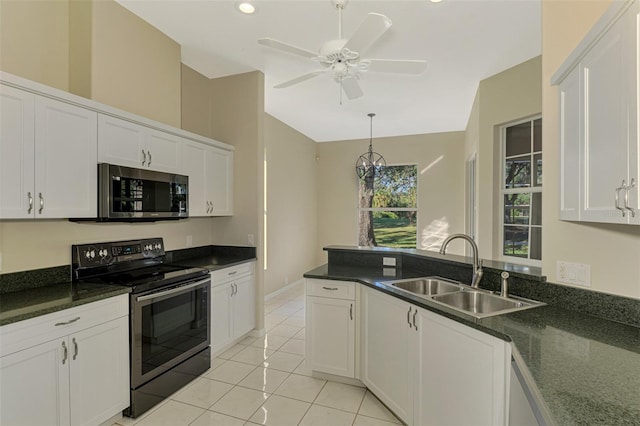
(573, 273)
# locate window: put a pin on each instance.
(388, 208)
(521, 191)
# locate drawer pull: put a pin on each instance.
(232, 273)
(68, 322)
(330, 288)
(351, 312)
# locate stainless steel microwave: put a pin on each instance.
(128, 194)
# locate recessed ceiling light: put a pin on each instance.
(246, 7)
(436, 1)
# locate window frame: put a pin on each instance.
(502, 191)
(386, 209)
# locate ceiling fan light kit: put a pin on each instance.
(342, 58)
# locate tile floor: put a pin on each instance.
(264, 381)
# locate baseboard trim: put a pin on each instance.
(283, 289)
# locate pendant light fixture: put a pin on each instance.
(370, 164)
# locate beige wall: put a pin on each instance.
(196, 102)
(612, 251)
(440, 159)
(505, 97)
(34, 40)
(140, 73)
(291, 204)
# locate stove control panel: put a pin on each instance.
(103, 254)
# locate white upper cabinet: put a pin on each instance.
(210, 172)
(39, 137)
(130, 144)
(599, 122)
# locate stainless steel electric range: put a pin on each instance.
(170, 314)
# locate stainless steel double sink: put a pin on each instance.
(471, 301)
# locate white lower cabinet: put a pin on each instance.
(331, 327)
(423, 365)
(66, 368)
(233, 299)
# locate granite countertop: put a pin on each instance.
(586, 369)
(212, 257)
(213, 263)
(25, 304)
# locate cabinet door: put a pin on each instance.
(330, 341)
(244, 306)
(194, 165)
(221, 332)
(457, 364)
(220, 181)
(121, 142)
(605, 139)
(99, 372)
(65, 160)
(570, 123)
(386, 369)
(633, 37)
(35, 386)
(16, 153)
(164, 152)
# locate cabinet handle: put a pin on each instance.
(67, 322)
(414, 319)
(30, 203)
(626, 197)
(65, 352)
(409, 317)
(232, 273)
(236, 286)
(149, 154)
(618, 189)
(330, 288)
(144, 157)
(75, 348)
(41, 203)
(351, 312)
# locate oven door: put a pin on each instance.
(168, 326)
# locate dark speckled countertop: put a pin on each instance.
(586, 369)
(25, 304)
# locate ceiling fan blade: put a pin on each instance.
(269, 42)
(297, 80)
(351, 88)
(373, 26)
(395, 66)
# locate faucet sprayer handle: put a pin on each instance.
(504, 275)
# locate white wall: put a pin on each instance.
(613, 251)
(440, 159)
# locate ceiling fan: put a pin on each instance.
(342, 57)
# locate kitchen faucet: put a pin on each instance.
(477, 263)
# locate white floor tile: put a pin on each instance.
(286, 310)
(293, 346)
(294, 321)
(280, 411)
(283, 361)
(240, 402)
(128, 421)
(303, 370)
(217, 362)
(270, 341)
(370, 421)
(324, 416)
(229, 353)
(252, 355)
(298, 314)
(300, 335)
(284, 330)
(273, 320)
(341, 396)
(301, 387)
(209, 418)
(171, 414)
(264, 379)
(202, 392)
(372, 407)
(230, 372)
(248, 340)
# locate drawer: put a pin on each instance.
(31, 332)
(232, 273)
(331, 288)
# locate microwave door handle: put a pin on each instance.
(171, 291)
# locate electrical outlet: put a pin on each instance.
(389, 261)
(573, 273)
(189, 240)
(251, 240)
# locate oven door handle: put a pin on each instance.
(171, 291)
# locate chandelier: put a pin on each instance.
(370, 164)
